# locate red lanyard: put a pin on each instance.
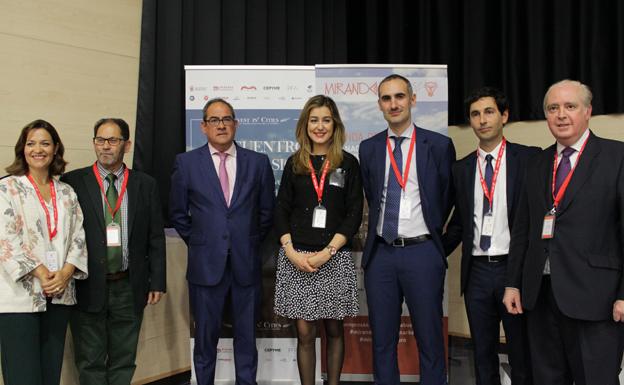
(489, 194)
(124, 184)
(318, 187)
(402, 180)
(51, 233)
(566, 182)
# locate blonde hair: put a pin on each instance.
(301, 158)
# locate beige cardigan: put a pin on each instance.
(24, 241)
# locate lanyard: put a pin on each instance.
(318, 187)
(124, 184)
(489, 194)
(401, 180)
(51, 233)
(564, 186)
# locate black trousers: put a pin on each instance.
(566, 350)
(32, 346)
(483, 298)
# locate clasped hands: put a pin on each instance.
(308, 262)
(54, 283)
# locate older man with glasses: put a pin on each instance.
(222, 199)
(126, 246)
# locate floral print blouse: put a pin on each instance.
(24, 241)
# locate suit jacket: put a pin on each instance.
(433, 156)
(586, 256)
(461, 226)
(146, 238)
(209, 227)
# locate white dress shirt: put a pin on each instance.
(415, 224)
(500, 237)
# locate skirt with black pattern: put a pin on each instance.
(329, 293)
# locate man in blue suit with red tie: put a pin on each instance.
(406, 172)
(222, 199)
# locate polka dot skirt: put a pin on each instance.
(329, 293)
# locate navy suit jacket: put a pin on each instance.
(586, 253)
(434, 155)
(209, 227)
(461, 226)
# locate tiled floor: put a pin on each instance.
(461, 369)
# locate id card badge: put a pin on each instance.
(319, 217)
(487, 227)
(51, 260)
(113, 235)
(405, 211)
(337, 178)
(548, 229)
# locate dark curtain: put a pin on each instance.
(520, 46)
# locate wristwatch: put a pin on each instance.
(332, 250)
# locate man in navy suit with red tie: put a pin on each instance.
(566, 255)
(222, 199)
(487, 184)
(406, 173)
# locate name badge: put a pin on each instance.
(319, 217)
(487, 227)
(52, 262)
(113, 235)
(337, 178)
(405, 211)
(548, 229)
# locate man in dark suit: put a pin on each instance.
(126, 246)
(566, 257)
(406, 172)
(222, 199)
(487, 185)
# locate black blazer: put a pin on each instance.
(461, 226)
(146, 244)
(586, 256)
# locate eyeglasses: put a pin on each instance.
(214, 121)
(113, 141)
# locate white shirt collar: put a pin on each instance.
(406, 134)
(577, 146)
(494, 152)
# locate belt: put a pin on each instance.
(402, 242)
(116, 276)
(490, 258)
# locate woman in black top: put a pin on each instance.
(316, 216)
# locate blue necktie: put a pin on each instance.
(390, 230)
(486, 240)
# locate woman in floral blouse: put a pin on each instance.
(42, 251)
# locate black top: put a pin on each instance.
(342, 197)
